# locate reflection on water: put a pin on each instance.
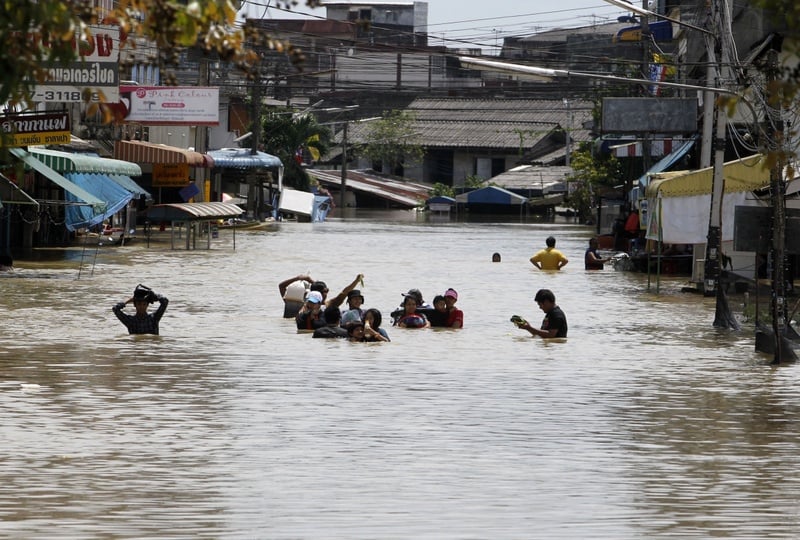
(646, 422)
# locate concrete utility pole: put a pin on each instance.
(774, 132)
(344, 168)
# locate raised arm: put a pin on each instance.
(285, 283)
(337, 300)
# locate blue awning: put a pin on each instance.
(242, 158)
(667, 161)
(103, 188)
(130, 185)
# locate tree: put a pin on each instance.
(290, 138)
(393, 140)
(591, 173)
(64, 25)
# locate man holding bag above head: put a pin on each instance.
(142, 322)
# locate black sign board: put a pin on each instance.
(752, 229)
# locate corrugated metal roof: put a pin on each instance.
(192, 211)
(528, 177)
(242, 158)
(507, 124)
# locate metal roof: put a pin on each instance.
(243, 158)
(506, 124)
(201, 211)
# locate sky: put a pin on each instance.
(481, 23)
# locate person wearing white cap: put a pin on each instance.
(310, 315)
(455, 317)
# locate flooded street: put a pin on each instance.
(645, 423)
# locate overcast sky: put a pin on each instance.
(482, 22)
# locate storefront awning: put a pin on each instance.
(129, 184)
(67, 162)
(202, 211)
(70, 187)
(102, 187)
(145, 152)
(11, 193)
(242, 158)
(746, 174)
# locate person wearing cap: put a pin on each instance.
(142, 322)
(422, 306)
(332, 317)
(554, 324)
(339, 299)
(354, 302)
(549, 258)
(310, 315)
(455, 317)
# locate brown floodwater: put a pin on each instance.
(645, 422)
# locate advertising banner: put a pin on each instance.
(35, 129)
(170, 105)
(96, 71)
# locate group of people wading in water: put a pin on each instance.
(306, 300)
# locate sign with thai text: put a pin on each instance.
(170, 105)
(170, 174)
(35, 129)
(95, 72)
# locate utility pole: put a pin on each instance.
(255, 125)
(344, 168)
(774, 132)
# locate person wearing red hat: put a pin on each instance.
(455, 317)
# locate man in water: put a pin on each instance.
(554, 324)
(549, 258)
(142, 322)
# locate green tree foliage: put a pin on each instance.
(592, 174)
(393, 140)
(173, 25)
(442, 190)
(285, 135)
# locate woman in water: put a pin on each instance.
(411, 318)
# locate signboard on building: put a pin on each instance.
(170, 174)
(649, 115)
(35, 129)
(170, 105)
(95, 71)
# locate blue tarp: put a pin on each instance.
(130, 184)
(667, 161)
(101, 187)
(492, 195)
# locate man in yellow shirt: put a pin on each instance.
(549, 258)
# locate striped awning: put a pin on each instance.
(68, 186)
(146, 152)
(192, 211)
(67, 162)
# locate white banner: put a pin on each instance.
(96, 71)
(171, 105)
